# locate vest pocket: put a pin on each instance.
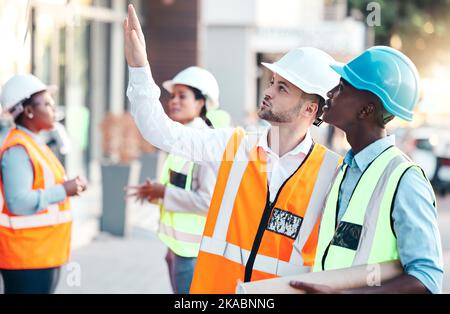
(177, 179)
(347, 235)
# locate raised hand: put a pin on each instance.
(135, 48)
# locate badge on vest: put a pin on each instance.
(177, 179)
(285, 223)
(347, 235)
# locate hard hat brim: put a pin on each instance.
(168, 85)
(287, 76)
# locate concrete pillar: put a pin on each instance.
(228, 55)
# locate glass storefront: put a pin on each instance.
(78, 46)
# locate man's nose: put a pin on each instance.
(268, 92)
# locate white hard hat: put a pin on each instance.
(307, 68)
(201, 79)
(20, 88)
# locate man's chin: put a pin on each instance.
(326, 118)
(262, 114)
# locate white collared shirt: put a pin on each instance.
(279, 169)
(203, 146)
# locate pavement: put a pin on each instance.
(102, 263)
(135, 263)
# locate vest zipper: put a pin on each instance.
(265, 220)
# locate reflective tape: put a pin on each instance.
(35, 221)
(179, 235)
(327, 171)
(240, 163)
(373, 212)
(238, 255)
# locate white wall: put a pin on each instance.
(228, 56)
(13, 54)
(234, 31)
(335, 37)
(229, 12)
(289, 13)
(265, 13)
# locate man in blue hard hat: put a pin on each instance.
(381, 207)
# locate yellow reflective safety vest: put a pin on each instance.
(219, 118)
(247, 237)
(365, 233)
(181, 232)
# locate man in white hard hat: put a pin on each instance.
(263, 218)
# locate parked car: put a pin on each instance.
(429, 147)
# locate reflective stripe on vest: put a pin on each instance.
(181, 232)
(230, 244)
(364, 235)
(36, 221)
(41, 240)
(262, 263)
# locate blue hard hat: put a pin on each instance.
(387, 73)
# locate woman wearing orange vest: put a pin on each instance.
(35, 217)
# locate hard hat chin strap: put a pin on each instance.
(318, 122)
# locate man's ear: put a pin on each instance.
(366, 111)
(310, 108)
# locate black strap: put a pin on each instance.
(265, 220)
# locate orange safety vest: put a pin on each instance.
(41, 240)
(249, 238)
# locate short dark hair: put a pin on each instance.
(200, 96)
(321, 104)
(318, 99)
(382, 116)
(25, 103)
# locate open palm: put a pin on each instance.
(135, 49)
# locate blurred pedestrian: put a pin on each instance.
(185, 188)
(35, 218)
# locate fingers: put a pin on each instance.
(136, 194)
(308, 288)
(135, 39)
(126, 27)
(80, 184)
(128, 188)
(134, 23)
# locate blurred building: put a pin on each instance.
(78, 45)
(238, 35)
